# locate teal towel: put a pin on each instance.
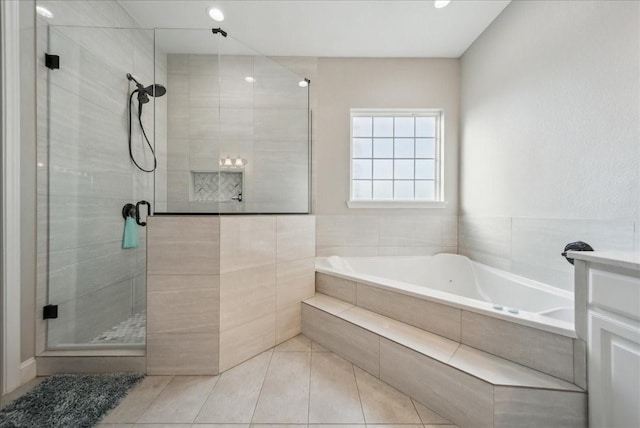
(130, 235)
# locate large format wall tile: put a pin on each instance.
(336, 231)
(340, 288)
(182, 354)
(385, 235)
(537, 244)
(347, 340)
(439, 319)
(288, 322)
(539, 408)
(486, 240)
(247, 242)
(296, 237)
(552, 353)
(183, 304)
(409, 231)
(457, 396)
(246, 295)
(295, 281)
(243, 342)
(183, 245)
(253, 305)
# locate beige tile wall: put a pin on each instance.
(386, 235)
(183, 295)
(267, 268)
(223, 289)
(531, 247)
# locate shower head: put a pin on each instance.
(156, 90)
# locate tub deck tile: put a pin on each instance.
(468, 361)
(499, 371)
(328, 304)
(440, 319)
(548, 352)
(437, 347)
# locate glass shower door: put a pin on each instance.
(98, 286)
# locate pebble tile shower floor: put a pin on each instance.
(132, 330)
(297, 383)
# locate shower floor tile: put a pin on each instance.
(132, 330)
(297, 383)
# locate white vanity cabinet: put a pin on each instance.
(608, 319)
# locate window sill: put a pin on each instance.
(397, 204)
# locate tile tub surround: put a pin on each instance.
(224, 288)
(470, 387)
(550, 353)
(531, 247)
(386, 235)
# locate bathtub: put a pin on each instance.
(457, 281)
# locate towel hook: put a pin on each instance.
(137, 208)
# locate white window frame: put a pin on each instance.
(439, 201)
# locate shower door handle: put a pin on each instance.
(142, 223)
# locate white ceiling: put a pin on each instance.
(332, 28)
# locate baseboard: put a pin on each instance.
(28, 370)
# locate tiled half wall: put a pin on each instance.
(223, 289)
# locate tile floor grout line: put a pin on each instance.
(151, 402)
(266, 372)
(218, 376)
(413, 403)
(353, 370)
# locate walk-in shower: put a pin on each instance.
(189, 120)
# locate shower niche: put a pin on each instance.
(222, 186)
(237, 126)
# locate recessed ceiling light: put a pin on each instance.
(215, 14)
(303, 83)
(439, 4)
(249, 79)
(43, 11)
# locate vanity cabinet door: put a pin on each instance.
(614, 371)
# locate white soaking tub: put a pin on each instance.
(457, 281)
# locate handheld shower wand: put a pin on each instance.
(154, 90)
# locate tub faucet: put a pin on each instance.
(575, 246)
(238, 198)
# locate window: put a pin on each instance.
(395, 158)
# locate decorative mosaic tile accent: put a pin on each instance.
(132, 330)
(214, 186)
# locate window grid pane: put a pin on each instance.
(400, 162)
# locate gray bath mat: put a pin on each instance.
(72, 400)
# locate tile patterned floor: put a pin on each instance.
(131, 330)
(298, 384)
